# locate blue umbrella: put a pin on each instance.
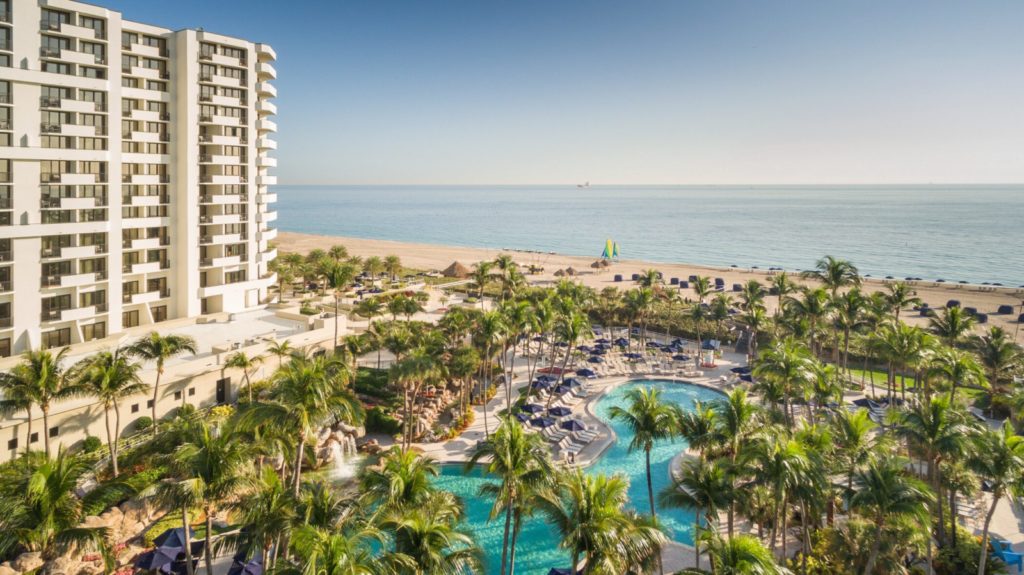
(179, 567)
(523, 417)
(744, 369)
(602, 340)
(595, 359)
(254, 567)
(563, 389)
(539, 384)
(157, 558)
(173, 537)
(540, 338)
(573, 381)
(560, 571)
(559, 411)
(681, 357)
(573, 425)
(546, 377)
(632, 355)
(747, 377)
(586, 372)
(533, 408)
(622, 342)
(653, 344)
(542, 422)
(601, 351)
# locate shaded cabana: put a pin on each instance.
(456, 270)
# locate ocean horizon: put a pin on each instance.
(971, 233)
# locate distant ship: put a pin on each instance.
(583, 185)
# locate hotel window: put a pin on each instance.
(96, 97)
(92, 144)
(5, 347)
(130, 318)
(98, 51)
(57, 338)
(5, 92)
(12, 443)
(128, 62)
(93, 298)
(207, 49)
(98, 25)
(149, 404)
(127, 82)
(34, 438)
(54, 431)
(191, 391)
(177, 396)
(156, 86)
(51, 46)
(61, 142)
(97, 121)
(95, 265)
(52, 19)
(154, 42)
(94, 331)
(135, 408)
(90, 72)
(207, 71)
(5, 38)
(129, 38)
(159, 313)
(57, 68)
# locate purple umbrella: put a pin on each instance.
(533, 408)
(601, 340)
(254, 567)
(157, 558)
(595, 359)
(173, 537)
(559, 411)
(563, 389)
(573, 425)
(541, 384)
(632, 355)
(542, 422)
(523, 417)
(573, 381)
(681, 357)
(586, 372)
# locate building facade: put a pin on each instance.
(134, 174)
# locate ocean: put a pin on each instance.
(956, 233)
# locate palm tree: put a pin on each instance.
(814, 308)
(1000, 357)
(738, 418)
(340, 277)
(521, 462)
(373, 266)
(885, 493)
(650, 420)
(241, 360)
(833, 274)
(570, 328)
(900, 297)
(428, 536)
(17, 396)
(855, 441)
(998, 457)
(42, 512)
(323, 551)
(336, 252)
(740, 555)
(959, 368)
(782, 465)
(789, 365)
(849, 311)
(160, 348)
(952, 325)
(393, 265)
(281, 349)
(267, 515)
(110, 377)
(41, 380)
(705, 487)
(752, 295)
(402, 480)
(481, 276)
(411, 373)
(212, 467)
(782, 285)
(587, 513)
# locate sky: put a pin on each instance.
(645, 92)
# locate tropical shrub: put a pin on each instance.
(91, 443)
(964, 557)
(378, 421)
(143, 423)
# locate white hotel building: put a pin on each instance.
(133, 174)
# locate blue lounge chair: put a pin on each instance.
(1011, 558)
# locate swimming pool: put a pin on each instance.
(537, 550)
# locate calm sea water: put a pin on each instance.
(972, 233)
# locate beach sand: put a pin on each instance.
(437, 257)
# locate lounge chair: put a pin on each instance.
(1011, 558)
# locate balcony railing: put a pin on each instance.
(50, 128)
(6, 322)
(6, 256)
(49, 52)
(48, 102)
(49, 177)
(5, 98)
(49, 25)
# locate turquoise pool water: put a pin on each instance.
(538, 550)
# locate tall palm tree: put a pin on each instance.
(740, 555)
(241, 360)
(814, 308)
(705, 487)
(885, 493)
(570, 328)
(522, 464)
(281, 349)
(1000, 357)
(340, 278)
(782, 465)
(393, 265)
(110, 377)
(336, 252)
(752, 295)
(952, 325)
(428, 535)
(402, 480)
(959, 368)
(783, 286)
(267, 515)
(481, 276)
(373, 266)
(587, 513)
(738, 419)
(212, 467)
(650, 420)
(159, 348)
(998, 457)
(855, 441)
(849, 311)
(411, 373)
(41, 380)
(833, 274)
(789, 365)
(899, 297)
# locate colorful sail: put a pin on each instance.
(608, 249)
(615, 250)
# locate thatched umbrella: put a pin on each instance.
(597, 264)
(456, 270)
(570, 271)
(559, 273)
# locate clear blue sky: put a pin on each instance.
(662, 91)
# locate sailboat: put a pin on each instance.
(583, 185)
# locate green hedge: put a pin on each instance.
(377, 421)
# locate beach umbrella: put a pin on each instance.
(559, 411)
(586, 372)
(562, 389)
(653, 344)
(583, 348)
(523, 417)
(542, 422)
(598, 351)
(157, 558)
(533, 408)
(539, 338)
(573, 425)
(602, 340)
(632, 355)
(173, 537)
(595, 359)
(681, 357)
(747, 377)
(456, 270)
(546, 377)
(622, 342)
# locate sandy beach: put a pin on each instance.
(437, 257)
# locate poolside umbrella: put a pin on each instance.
(622, 342)
(562, 389)
(541, 385)
(173, 537)
(559, 411)
(523, 417)
(561, 344)
(747, 377)
(653, 344)
(602, 340)
(179, 567)
(743, 369)
(632, 355)
(595, 359)
(573, 425)
(559, 571)
(681, 357)
(546, 377)
(254, 567)
(533, 408)
(572, 381)
(542, 422)
(540, 338)
(599, 351)
(584, 348)
(586, 372)
(157, 558)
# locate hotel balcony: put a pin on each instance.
(78, 313)
(148, 297)
(220, 262)
(145, 243)
(70, 179)
(266, 198)
(266, 90)
(221, 120)
(266, 180)
(149, 116)
(71, 203)
(221, 179)
(218, 219)
(220, 199)
(267, 256)
(154, 137)
(264, 52)
(147, 179)
(265, 143)
(221, 140)
(226, 81)
(148, 51)
(265, 125)
(145, 267)
(221, 239)
(221, 59)
(70, 130)
(220, 160)
(69, 105)
(266, 162)
(72, 280)
(73, 252)
(220, 100)
(266, 235)
(266, 107)
(265, 71)
(72, 30)
(264, 217)
(147, 200)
